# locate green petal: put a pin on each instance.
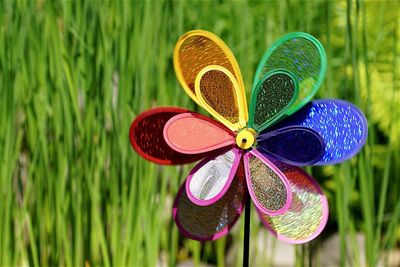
(300, 54)
(271, 98)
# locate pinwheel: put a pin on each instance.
(255, 151)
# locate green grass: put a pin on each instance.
(73, 75)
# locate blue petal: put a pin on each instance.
(341, 124)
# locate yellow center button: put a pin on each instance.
(245, 138)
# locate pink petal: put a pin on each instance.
(308, 212)
(192, 133)
(267, 185)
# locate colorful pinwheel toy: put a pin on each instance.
(256, 150)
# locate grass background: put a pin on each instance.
(73, 75)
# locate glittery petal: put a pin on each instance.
(307, 214)
(146, 136)
(268, 187)
(300, 54)
(211, 178)
(220, 94)
(293, 145)
(211, 222)
(198, 49)
(342, 126)
(271, 98)
(193, 133)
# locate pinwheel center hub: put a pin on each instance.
(245, 138)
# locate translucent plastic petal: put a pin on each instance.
(271, 99)
(198, 49)
(220, 94)
(295, 145)
(192, 133)
(341, 125)
(267, 185)
(300, 54)
(308, 212)
(147, 139)
(211, 222)
(211, 178)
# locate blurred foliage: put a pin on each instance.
(73, 75)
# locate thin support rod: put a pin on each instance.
(246, 232)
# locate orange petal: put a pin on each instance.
(198, 49)
(220, 94)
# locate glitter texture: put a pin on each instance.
(210, 179)
(207, 222)
(197, 52)
(341, 124)
(288, 130)
(294, 145)
(218, 91)
(274, 95)
(302, 56)
(308, 211)
(268, 188)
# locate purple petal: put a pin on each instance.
(293, 145)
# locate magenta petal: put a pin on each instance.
(205, 223)
(210, 179)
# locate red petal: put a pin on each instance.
(146, 135)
